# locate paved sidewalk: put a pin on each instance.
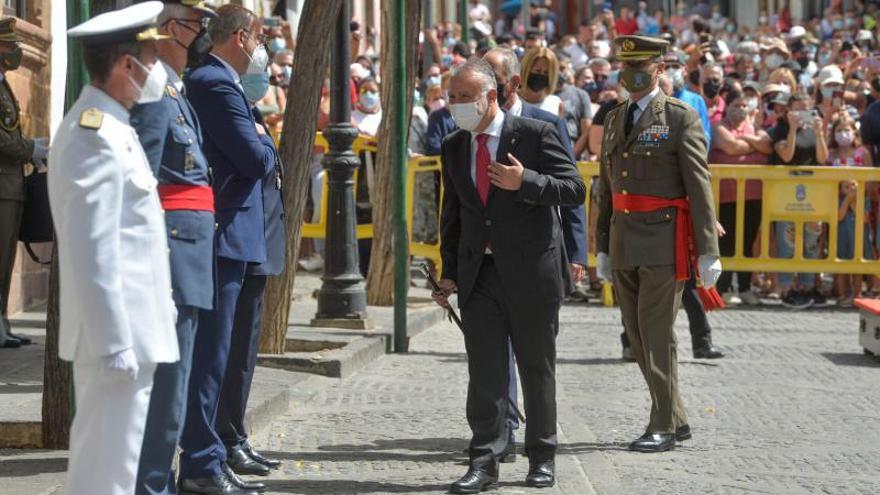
(794, 408)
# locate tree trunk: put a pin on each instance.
(380, 277)
(57, 374)
(297, 139)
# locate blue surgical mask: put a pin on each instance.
(432, 81)
(255, 86)
(369, 100)
(277, 44)
(287, 73)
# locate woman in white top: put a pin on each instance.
(540, 73)
(368, 112)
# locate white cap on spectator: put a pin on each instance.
(830, 74)
(358, 71)
(748, 47)
(796, 32)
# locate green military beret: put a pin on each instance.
(7, 29)
(639, 48)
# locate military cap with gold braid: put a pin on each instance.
(639, 48)
(7, 30)
(131, 24)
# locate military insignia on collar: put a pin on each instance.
(91, 118)
(171, 91)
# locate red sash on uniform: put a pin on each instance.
(684, 238)
(186, 197)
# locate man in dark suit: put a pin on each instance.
(239, 159)
(503, 250)
(171, 136)
(247, 321)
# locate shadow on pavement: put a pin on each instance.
(851, 359)
(348, 486)
(16, 468)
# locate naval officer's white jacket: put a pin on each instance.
(112, 246)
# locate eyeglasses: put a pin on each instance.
(260, 38)
(202, 23)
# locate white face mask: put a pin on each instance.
(468, 115)
(154, 86)
(774, 60)
(259, 60)
(751, 104)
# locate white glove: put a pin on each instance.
(603, 267)
(122, 362)
(41, 149)
(710, 270)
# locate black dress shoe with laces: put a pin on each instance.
(707, 352)
(654, 442)
(21, 338)
(541, 474)
(242, 463)
(218, 485)
(476, 480)
(683, 433)
(253, 454)
(243, 484)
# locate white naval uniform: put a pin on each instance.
(115, 287)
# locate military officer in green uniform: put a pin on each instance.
(15, 152)
(656, 224)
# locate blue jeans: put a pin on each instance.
(785, 249)
(167, 411)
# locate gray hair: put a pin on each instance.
(599, 62)
(230, 19)
(481, 69)
(509, 61)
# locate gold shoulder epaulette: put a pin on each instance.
(91, 118)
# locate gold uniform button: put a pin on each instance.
(647, 153)
(624, 192)
(625, 154)
(626, 210)
(668, 216)
(173, 232)
(624, 174)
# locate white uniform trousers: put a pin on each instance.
(108, 429)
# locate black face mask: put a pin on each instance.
(502, 98)
(199, 49)
(711, 89)
(875, 83)
(538, 82)
(694, 77)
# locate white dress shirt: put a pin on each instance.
(494, 132)
(643, 103)
(516, 108)
(174, 78)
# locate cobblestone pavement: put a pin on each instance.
(794, 408)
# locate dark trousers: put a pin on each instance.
(490, 322)
(166, 413)
(727, 244)
(698, 324)
(242, 361)
(203, 452)
(10, 218)
(512, 418)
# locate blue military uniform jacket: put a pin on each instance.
(171, 137)
(273, 213)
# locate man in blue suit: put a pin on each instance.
(239, 159)
(171, 137)
(574, 218)
(248, 321)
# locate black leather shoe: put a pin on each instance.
(541, 475)
(9, 343)
(654, 442)
(707, 352)
(243, 484)
(253, 454)
(683, 433)
(218, 485)
(242, 463)
(21, 338)
(476, 480)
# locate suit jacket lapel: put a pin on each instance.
(506, 143)
(645, 120)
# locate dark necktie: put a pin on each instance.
(630, 116)
(484, 158)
